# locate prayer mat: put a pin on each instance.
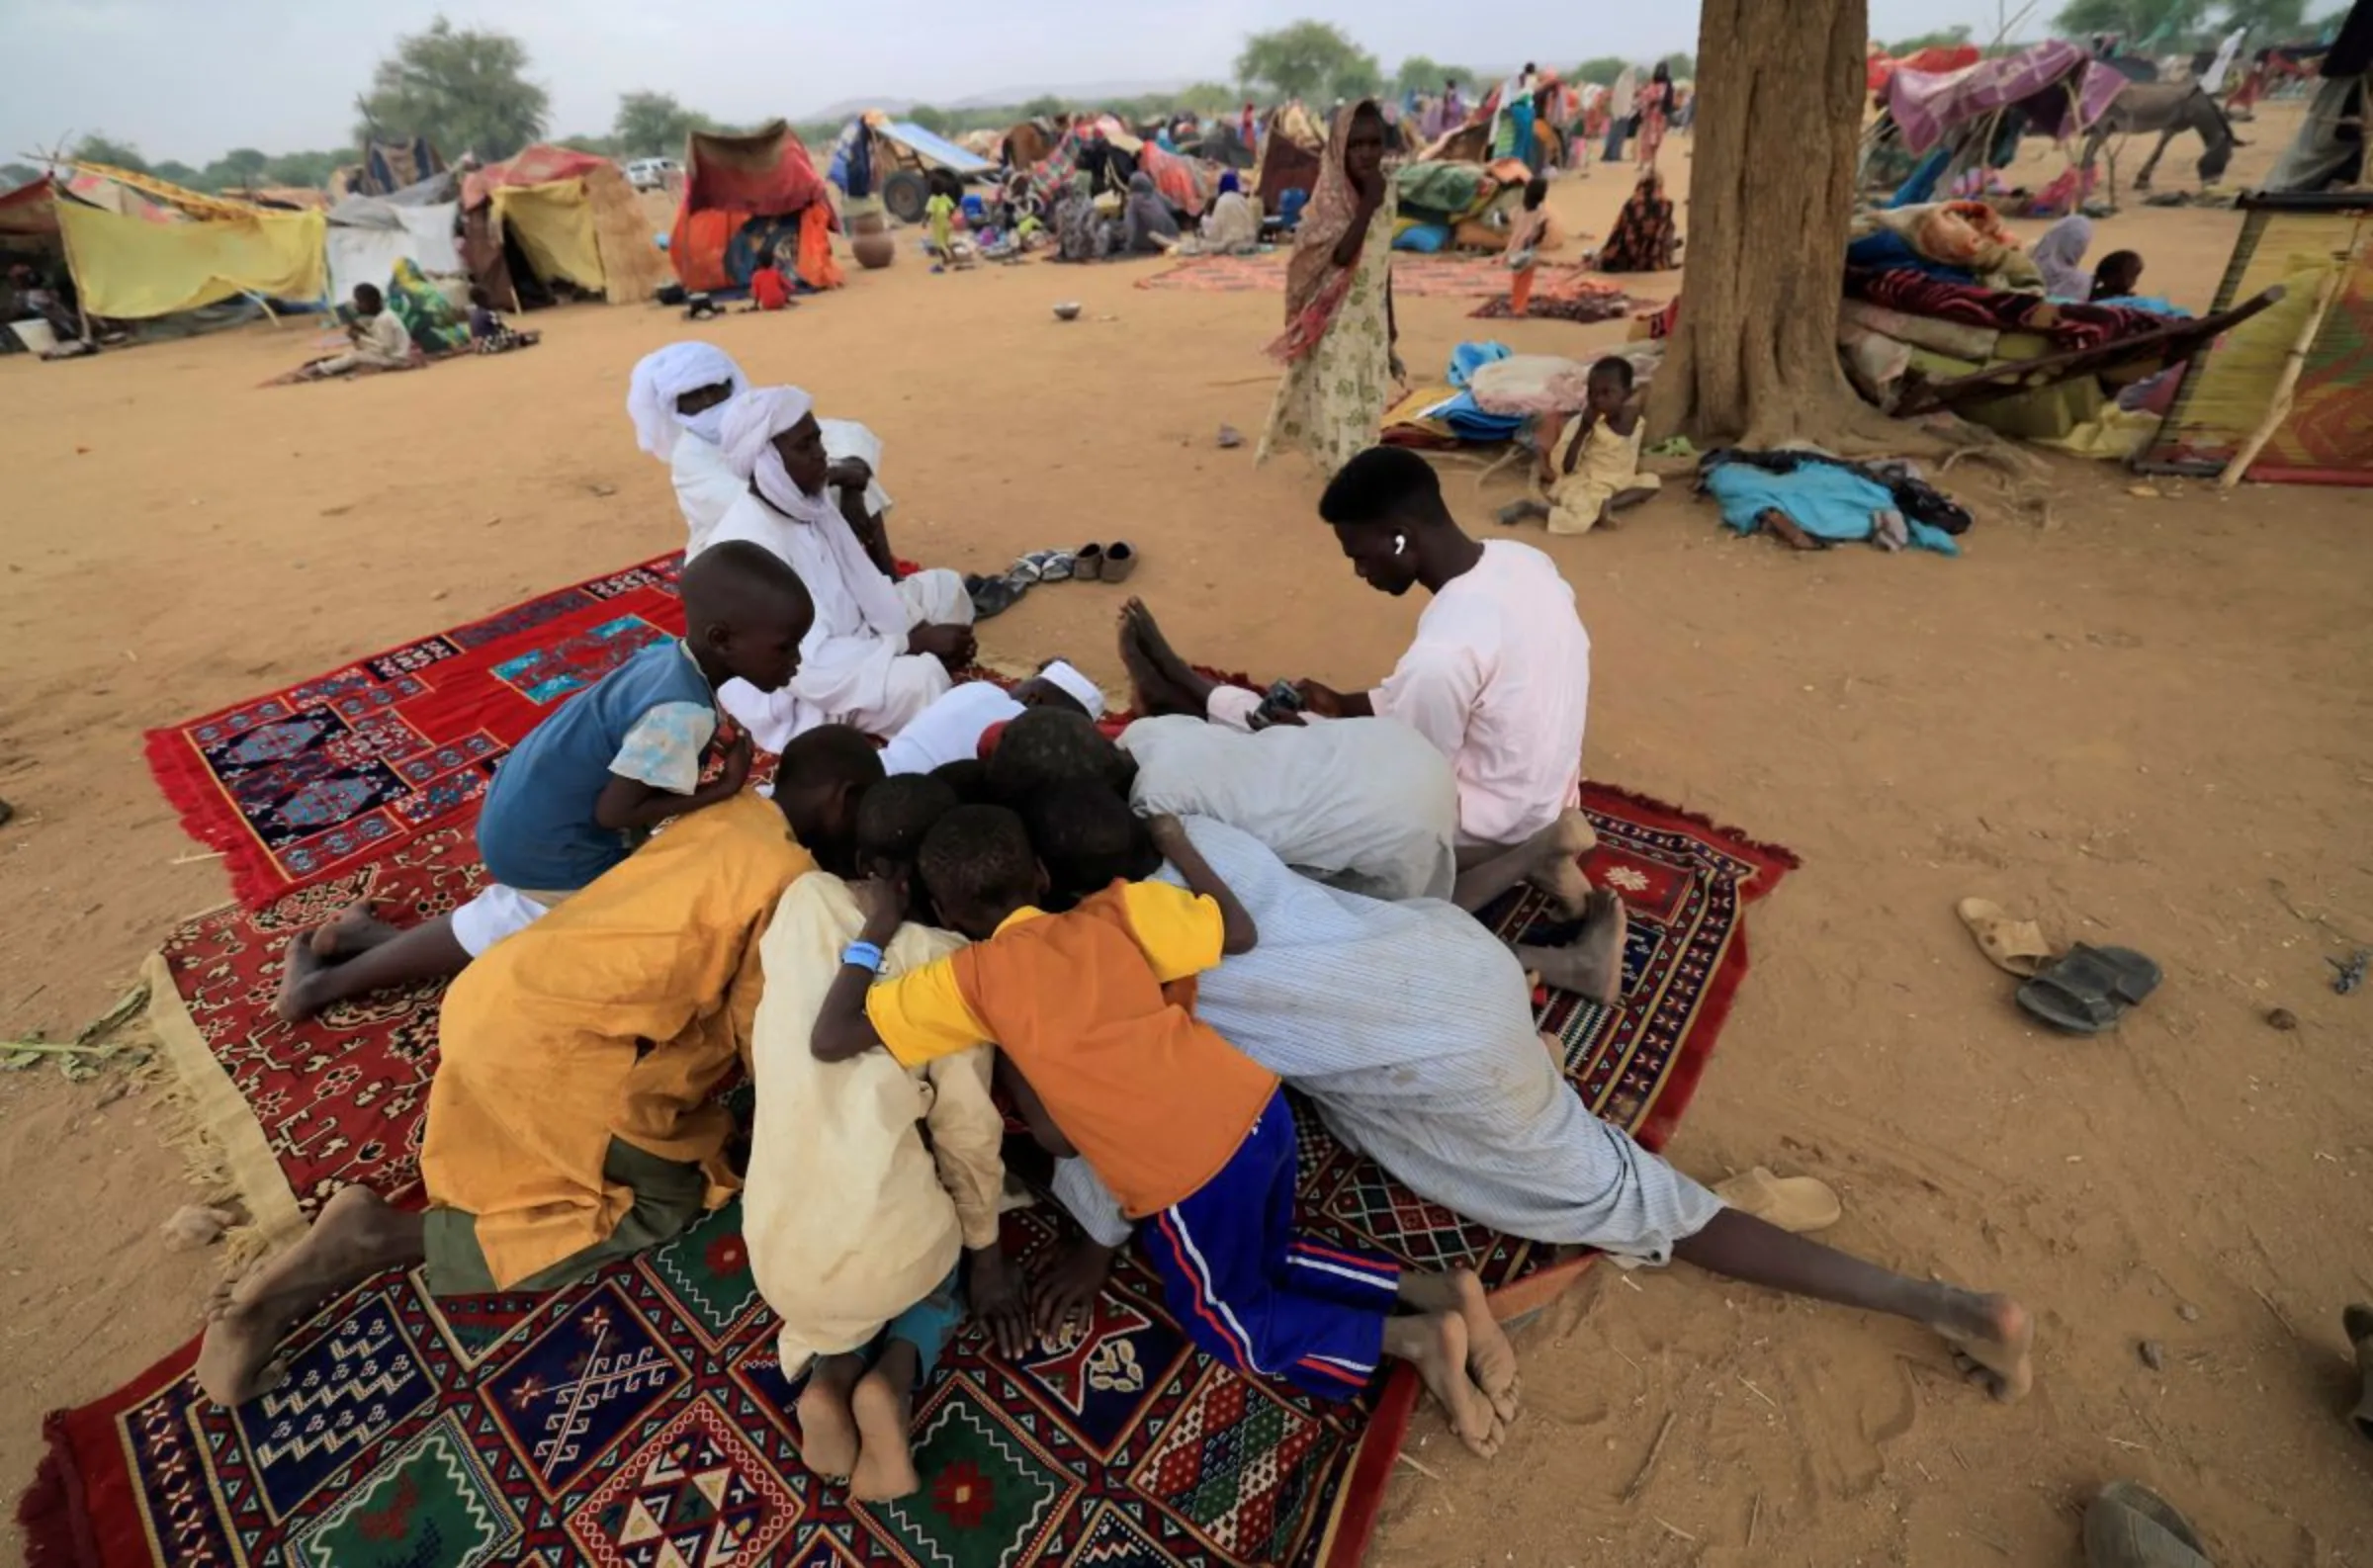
(336, 771)
(641, 1419)
(1581, 299)
(1414, 276)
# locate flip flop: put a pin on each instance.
(2357, 1323)
(1795, 1204)
(994, 596)
(2128, 1525)
(1088, 563)
(1120, 560)
(1057, 566)
(2014, 946)
(2089, 989)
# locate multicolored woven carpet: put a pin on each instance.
(332, 772)
(640, 1419)
(1413, 276)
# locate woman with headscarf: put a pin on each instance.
(1619, 112)
(1338, 342)
(1654, 105)
(2059, 256)
(1232, 227)
(881, 648)
(1075, 220)
(1645, 239)
(676, 398)
(1148, 228)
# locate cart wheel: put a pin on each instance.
(905, 194)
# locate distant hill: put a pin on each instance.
(1002, 97)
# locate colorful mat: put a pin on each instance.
(639, 1419)
(1572, 298)
(1413, 276)
(338, 770)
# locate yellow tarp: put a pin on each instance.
(554, 224)
(132, 269)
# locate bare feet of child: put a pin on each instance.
(357, 1236)
(355, 930)
(1592, 964)
(1436, 1345)
(1991, 1338)
(1557, 869)
(1490, 1359)
(827, 1427)
(885, 1465)
(302, 970)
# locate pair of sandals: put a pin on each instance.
(1091, 562)
(2083, 991)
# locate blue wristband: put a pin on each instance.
(865, 955)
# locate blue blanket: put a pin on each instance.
(1823, 499)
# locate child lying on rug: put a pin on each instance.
(587, 784)
(872, 1209)
(573, 1120)
(1192, 1137)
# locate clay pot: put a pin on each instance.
(874, 250)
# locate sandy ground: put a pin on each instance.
(2137, 724)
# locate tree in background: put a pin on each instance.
(306, 170)
(1602, 71)
(465, 90)
(1935, 38)
(241, 166)
(97, 147)
(1043, 106)
(1419, 74)
(1211, 98)
(1307, 60)
(13, 175)
(936, 121)
(2162, 22)
(599, 147)
(1753, 358)
(2268, 21)
(653, 125)
(178, 172)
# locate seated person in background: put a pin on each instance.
(2118, 277)
(955, 726)
(378, 338)
(1644, 239)
(572, 1121)
(1233, 225)
(871, 1202)
(1191, 1136)
(881, 646)
(1148, 228)
(676, 398)
(574, 796)
(1411, 1029)
(488, 333)
(771, 287)
(1605, 450)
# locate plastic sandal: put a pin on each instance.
(2089, 989)
(2014, 946)
(1795, 1204)
(2128, 1525)
(1120, 560)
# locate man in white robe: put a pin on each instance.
(882, 648)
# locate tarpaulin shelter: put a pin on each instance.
(2058, 87)
(745, 198)
(29, 215)
(387, 167)
(876, 155)
(140, 247)
(1935, 59)
(369, 234)
(2319, 248)
(572, 217)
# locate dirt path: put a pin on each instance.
(2131, 723)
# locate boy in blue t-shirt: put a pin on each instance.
(587, 784)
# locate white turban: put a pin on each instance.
(1079, 688)
(752, 422)
(662, 378)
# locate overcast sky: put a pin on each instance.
(187, 81)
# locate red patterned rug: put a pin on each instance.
(1414, 276)
(336, 771)
(640, 1419)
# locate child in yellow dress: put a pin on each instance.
(1600, 472)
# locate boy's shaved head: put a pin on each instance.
(898, 814)
(978, 866)
(820, 785)
(1047, 746)
(1086, 837)
(746, 613)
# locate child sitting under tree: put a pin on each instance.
(1600, 472)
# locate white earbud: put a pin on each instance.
(1401, 544)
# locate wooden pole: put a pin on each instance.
(2287, 384)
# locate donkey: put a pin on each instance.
(2166, 107)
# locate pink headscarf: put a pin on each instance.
(1314, 285)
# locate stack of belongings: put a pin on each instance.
(1939, 291)
(1446, 204)
(1290, 140)
(1439, 415)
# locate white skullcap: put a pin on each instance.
(1077, 686)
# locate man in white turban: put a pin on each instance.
(678, 399)
(881, 648)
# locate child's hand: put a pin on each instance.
(883, 901)
(994, 1289)
(732, 770)
(1325, 701)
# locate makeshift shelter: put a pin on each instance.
(1976, 112)
(29, 220)
(572, 219)
(1937, 59)
(744, 199)
(387, 167)
(1292, 142)
(2291, 392)
(142, 247)
(875, 154)
(369, 234)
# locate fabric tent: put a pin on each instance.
(745, 198)
(29, 213)
(2059, 88)
(2317, 247)
(573, 217)
(369, 234)
(156, 250)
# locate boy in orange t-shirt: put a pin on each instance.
(1092, 1008)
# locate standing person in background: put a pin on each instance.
(1250, 130)
(1525, 235)
(1654, 105)
(1618, 113)
(1454, 107)
(1338, 342)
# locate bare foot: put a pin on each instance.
(1991, 1338)
(827, 1428)
(1175, 671)
(1592, 965)
(885, 1465)
(1777, 522)
(1490, 1359)
(1148, 692)
(355, 930)
(302, 972)
(1557, 869)
(356, 1236)
(1436, 1345)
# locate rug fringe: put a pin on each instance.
(222, 1144)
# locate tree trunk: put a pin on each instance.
(1753, 359)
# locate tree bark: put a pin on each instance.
(1753, 359)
